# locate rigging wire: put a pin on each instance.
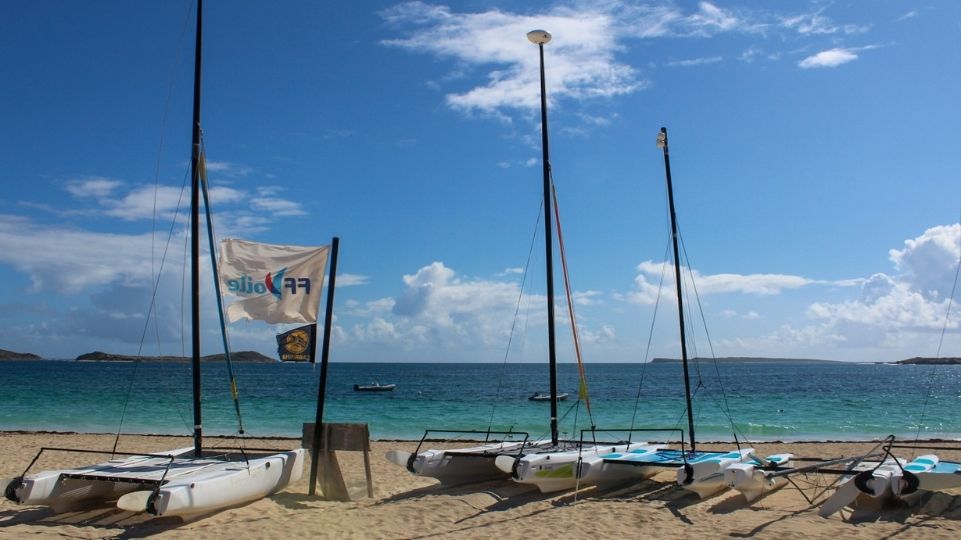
(944, 327)
(650, 335)
(150, 310)
(160, 146)
(517, 307)
(155, 274)
(720, 382)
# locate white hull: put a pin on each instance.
(557, 470)
(228, 485)
(707, 475)
(460, 465)
(752, 481)
(933, 474)
(878, 485)
(191, 486)
(53, 489)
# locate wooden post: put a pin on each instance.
(348, 437)
(325, 353)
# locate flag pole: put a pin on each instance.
(325, 356)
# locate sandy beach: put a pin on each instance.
(405, 506)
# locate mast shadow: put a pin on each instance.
(497, 489)
(108, 519)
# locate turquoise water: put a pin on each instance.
(802, 401)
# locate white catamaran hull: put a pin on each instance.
(62, 491)
(218, 487)
(706, 476)
(751, 480)
(877, 485)
(460, 465)
(557, 470)
(190, 486)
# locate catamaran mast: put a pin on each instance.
(539, 38)
(195, 238)
(662, 142)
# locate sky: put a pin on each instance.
(814, 145)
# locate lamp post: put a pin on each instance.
(540, 38)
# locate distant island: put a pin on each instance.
(240, 356)
(10, 355)
(749, 360)
(929, 361)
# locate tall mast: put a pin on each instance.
(662, 142)
(195, 237)
(539, 38)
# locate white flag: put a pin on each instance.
(277, 284)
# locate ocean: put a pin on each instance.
(758, 401)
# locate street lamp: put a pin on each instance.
(539, 38)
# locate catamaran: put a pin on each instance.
(887, 477)
(510, 456)
(555, 467)
(183, 482)
(698, 471)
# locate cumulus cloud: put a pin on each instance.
(927, 264)
(894, 316)
(442, 310)
(916, 298)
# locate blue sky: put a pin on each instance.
(814, 150)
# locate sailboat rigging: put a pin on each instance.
(698, 471)
(181, 482)
(497, 459)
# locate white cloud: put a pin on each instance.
(351, 280)
(895, 316)
(928, 263)
(580, 58)
(277, 207)
(810, 23)
(695, 61)
(829, 58)
(95, 186)
(70, 260)
(650, 274)
(517, 270)
(583, 58)
(710, 19)
(145, 202)
(916, 298)
(440, 310)
(228, 169)
(909, 15)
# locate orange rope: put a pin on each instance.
(582, 390)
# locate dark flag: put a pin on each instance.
(297, 345)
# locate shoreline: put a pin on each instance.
(756, 441)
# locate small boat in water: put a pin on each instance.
(374, 387)
(544, 396)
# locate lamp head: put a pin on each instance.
(539, 37)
